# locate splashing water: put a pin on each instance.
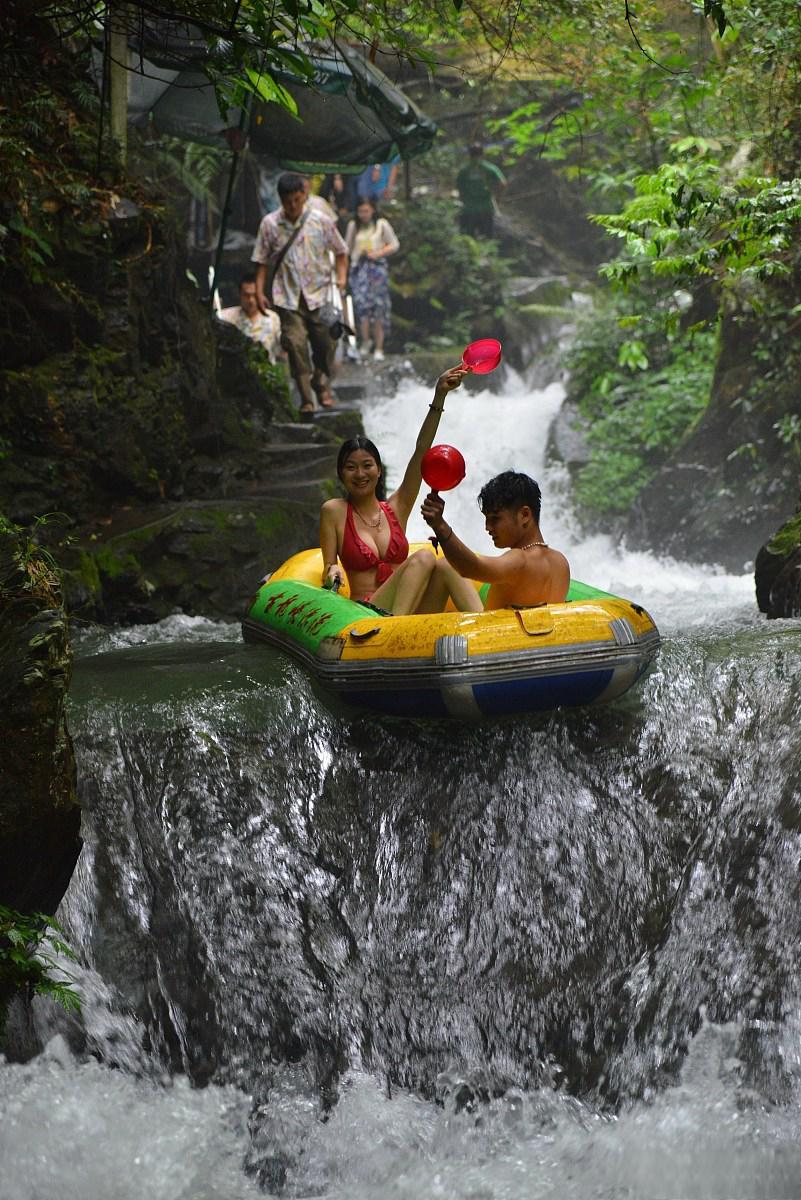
(371, 946)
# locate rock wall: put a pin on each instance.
(778, 572)
(160, 437)
(39, 814)
(733, 480)
(114, 408)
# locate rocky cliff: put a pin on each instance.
(733, 480)
(159, 436)
(39, 815)
(778, 571)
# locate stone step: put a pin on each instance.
(308, 490)
(349, 393)
(308, 450)
(297, 431)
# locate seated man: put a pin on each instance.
(530, 572)
(264, 328)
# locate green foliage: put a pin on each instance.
(612, 104)
(50, 203)
(193, 166)
(616, 103)
(717, 12)
(40, 571)
(640, 397)
(689, 219)
(788, 430)
(274, 378)
(27, 945)
(447, 287)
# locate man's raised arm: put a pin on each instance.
(469, 564)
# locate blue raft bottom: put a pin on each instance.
(493, 699)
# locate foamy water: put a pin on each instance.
(76, 1130)
(110, 1124)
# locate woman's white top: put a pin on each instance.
(378, 235)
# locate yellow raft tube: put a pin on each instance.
(588, 650)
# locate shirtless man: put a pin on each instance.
(530, 572)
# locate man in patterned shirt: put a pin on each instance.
(301, 285)
(264, 328)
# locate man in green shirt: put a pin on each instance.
(479, 183)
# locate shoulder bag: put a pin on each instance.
(272, 270)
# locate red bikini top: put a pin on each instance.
(356, 555)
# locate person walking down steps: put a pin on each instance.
(370, 240)
(293, 253)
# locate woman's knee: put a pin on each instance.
(444, 569)
(422, 562)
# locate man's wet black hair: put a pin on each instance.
(290, 182)
(511, 489)
(251, 278)
(360, 442)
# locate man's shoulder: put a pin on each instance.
(493, 170)
(230, 314)
(317, 215)
(319, 204)
(265, 320)
(269, 222)
(557, 557)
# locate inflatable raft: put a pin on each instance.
(588, 650)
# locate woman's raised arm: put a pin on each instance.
(403, 500)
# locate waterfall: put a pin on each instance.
(351, 958)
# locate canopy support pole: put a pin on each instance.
(239, 144)
(119, 64)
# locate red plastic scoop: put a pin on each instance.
(442, 468)
(482, 356)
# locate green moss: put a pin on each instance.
(89, 572)
(113, 564)
(219, 518)
(278, 520)
(787, 539)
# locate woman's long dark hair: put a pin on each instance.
(360, 442)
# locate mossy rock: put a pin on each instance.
(39, 815)
(777, 572)
(202, 559)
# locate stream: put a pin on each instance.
(335, 956)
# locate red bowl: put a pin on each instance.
(442, 468)
(482, 356)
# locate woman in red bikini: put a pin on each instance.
(367, 533)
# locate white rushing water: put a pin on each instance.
(114, 1128)
(75, 1130)
(510, 432)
